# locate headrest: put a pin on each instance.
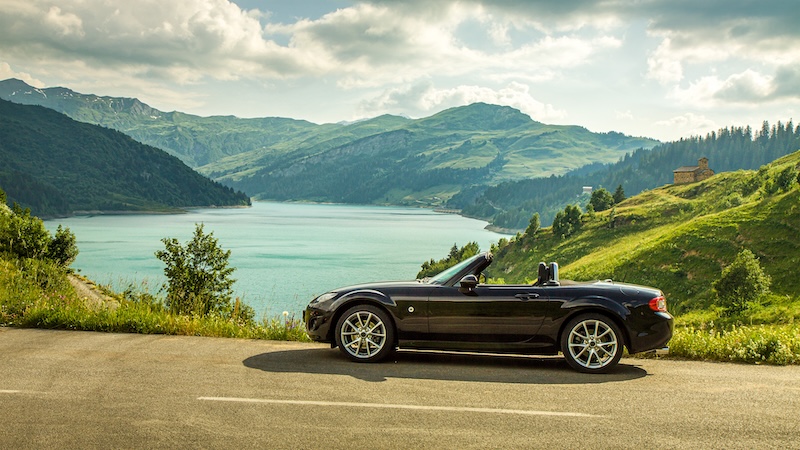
(544, 274)
(554, 272)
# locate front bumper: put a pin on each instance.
(318, 324)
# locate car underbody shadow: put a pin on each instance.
(436, 365)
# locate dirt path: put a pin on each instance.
(89, 292)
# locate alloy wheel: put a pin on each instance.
(593, 344)
(363, 334)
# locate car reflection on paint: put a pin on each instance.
(590, 323)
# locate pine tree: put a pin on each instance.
(619, 195)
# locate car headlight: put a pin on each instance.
(324, 298)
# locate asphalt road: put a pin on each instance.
(61, 389)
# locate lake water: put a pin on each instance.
(284, 254)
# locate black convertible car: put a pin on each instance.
(589, 323)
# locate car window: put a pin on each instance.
(447, 274)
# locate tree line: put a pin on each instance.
(511, 204)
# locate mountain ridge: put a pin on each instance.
(488, 143)
(57, 166)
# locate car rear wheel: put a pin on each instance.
(592, 343)
(365, 333)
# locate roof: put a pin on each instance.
(686, 169)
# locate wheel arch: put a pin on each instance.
(373, 298)
(597, 305)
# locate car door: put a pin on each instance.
(487, 313)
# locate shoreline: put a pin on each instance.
(186, 209)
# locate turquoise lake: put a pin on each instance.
(284, 253)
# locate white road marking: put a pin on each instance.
(15, 391)
(521, 412)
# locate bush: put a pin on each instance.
(198, 277)
(62, 249)
(456, 255)
(786, 178)
(24, 236)
(533, 226)
(567, 222)
(742, 283)
(774, 344)
(601, 200)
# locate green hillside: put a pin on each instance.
(418, 162)
(680, 237)
(511, 204)
(57, 166)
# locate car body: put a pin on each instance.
(589, 322)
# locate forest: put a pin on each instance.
(511, 204)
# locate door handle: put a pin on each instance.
(527, 296)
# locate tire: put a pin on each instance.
(592, 343)
(365, 333)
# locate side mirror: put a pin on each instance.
(468, 284)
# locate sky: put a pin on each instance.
(660, 69)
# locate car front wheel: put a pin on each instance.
(365, 333)
(592, 343)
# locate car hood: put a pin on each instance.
(379, 285)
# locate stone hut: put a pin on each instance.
(692, 174)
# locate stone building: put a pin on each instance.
(691, 174)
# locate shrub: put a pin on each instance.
(742, 283)
(25, 237)
(773, 344)
(785, 178)
(601, 200)
(456, 255)
(533, 226)
(749, 185)
(62, 249)
(198, 277)
(567, 222)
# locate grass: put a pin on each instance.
(759, 344)
(43, 298)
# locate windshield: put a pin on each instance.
(445, 275)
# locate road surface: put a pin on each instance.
(63, 389)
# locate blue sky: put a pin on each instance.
(662, 69)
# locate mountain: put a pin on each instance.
(384, 160)
(393, 160)
(58, 166)
(195, 140)
(678, 237)
(511, 204)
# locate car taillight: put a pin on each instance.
(659, 304)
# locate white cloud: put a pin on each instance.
(7, 72)
(65, 23)
(688, 124)
(623, 115)
(424, 98)
(748, 88)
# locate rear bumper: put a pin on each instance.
(654, 337)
